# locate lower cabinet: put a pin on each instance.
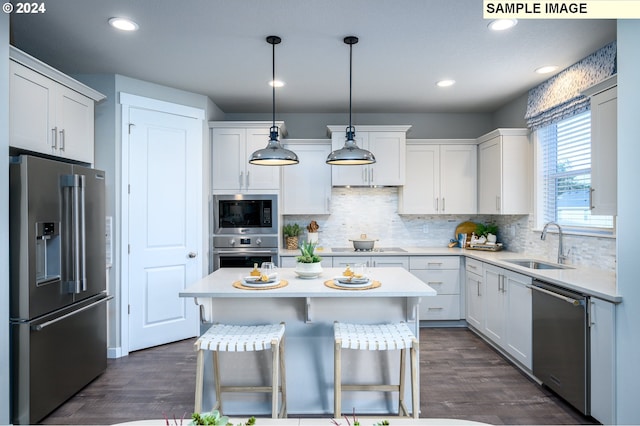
(602, 317)
(508, 316)
(372, 261)
(475, 293)
(442, 273)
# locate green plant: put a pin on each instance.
(212, 418)
(484, 229)
(291, 230)
(306, 253)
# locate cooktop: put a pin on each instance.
(374, 250)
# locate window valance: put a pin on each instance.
(560, 96)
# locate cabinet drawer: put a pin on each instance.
(434, 262)
(287, 262)
(441, 307)
(473, 266)
(390, 261)
(443, 281)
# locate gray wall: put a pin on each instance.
(4, 219)
(628, 312)
(512, 114)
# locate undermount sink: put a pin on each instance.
(536, 264)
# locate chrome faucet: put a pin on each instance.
(561, 256)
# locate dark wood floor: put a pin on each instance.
(461, 377)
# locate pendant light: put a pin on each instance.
(350, 154)
(274, 154)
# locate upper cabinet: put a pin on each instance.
(50, 113)
(441, 177)
(604, 146)
(387, 143)
(504, 172)
(232, 143)
(306, 187)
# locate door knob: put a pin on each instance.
(192, 254)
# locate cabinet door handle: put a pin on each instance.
(435, 308)
(62, 140)
(436, 203)
(328, 204)
(478, 282)
(591, 206)
(54, 138)
(443, 208)
(241, 179)
(434, 282)
(364, 175)
(248, 181)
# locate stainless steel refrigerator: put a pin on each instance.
(58, 283)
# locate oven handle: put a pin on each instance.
(574, 302)
(251, 251)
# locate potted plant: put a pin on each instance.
(308, 263)
(291, 232)
(487, 230)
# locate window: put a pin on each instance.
(564, 180)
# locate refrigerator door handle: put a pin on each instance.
(77, 279)
(44, 325)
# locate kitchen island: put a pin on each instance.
(309, 308)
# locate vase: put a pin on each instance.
(292, 243)
(308, 270)
(312, 237)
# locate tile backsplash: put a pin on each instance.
(374, 211)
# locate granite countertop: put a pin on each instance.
(590, 281)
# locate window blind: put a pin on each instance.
(566, 173)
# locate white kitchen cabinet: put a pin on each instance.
(306, 187)
(508, 316)
(475, 292)
(604, 148)
(372, 261)
(442, 273)
(232, 143)
(387, 143)
(45, 115)
(441, 178)
(504, 172)
(602, 317)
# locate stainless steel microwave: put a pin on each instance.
(245, 214)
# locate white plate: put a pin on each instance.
(256, 281)
(259, 283)
(352, 285)
(307, 275)
(351, 280)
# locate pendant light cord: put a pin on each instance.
(273, 81)
(350, 82)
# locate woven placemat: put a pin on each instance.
(332, 284)
(282, 283)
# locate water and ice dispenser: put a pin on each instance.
(48, 252)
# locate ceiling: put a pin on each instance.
(217, 48)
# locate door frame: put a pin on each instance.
(127, 101)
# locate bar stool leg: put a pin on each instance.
(337, 379)
(414, 379)
(402, 408)
(275, 362)
(199, 381)
(216, 377)
(283, 381)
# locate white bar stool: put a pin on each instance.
(376, 337)
(239, 338)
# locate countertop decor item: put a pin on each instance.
(312, 232)
(291, 232)
(363, 243)
(350, 154)
(308, 263)
(274, 154)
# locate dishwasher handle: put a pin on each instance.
(567, 299)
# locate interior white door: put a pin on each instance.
(165, 172)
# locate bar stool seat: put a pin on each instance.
(376, 337)
(243, 338)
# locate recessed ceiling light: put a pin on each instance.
(502, 24)
(276, 83)
(546, 69)
(445, 83)
(123, 24)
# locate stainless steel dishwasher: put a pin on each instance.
(561, 342)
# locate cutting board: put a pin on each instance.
(465, 228)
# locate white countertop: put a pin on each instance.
(395, 282)
(591, 281)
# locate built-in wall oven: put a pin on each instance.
(245, 230)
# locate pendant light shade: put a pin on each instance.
(274, 154)
(350, 154)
